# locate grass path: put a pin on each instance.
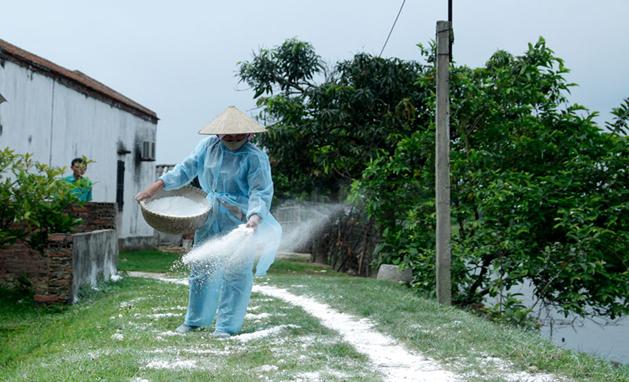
(386, 355)
(304, 323)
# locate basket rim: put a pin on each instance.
(157, 214)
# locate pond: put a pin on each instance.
(604, 339)
(607, 340)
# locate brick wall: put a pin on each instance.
(96, 216)
(19, 260)
(51, 275)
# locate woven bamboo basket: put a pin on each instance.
(177, 225)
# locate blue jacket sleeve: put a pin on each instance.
(184, 172)
(260, 186)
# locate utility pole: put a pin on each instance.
(444, 286)
(451, 26)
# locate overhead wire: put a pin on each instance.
(392, 27)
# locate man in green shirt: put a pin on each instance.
(82, 185)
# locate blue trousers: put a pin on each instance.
(225, 285)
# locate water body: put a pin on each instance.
(605, 339)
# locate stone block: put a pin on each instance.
(392, 272)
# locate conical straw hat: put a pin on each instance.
(232, 121)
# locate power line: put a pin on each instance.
(392, 27)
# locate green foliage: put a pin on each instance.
(539, 192)
(321, 135)
(326, 125)
(289, 67)
(33, 201)
(511, 311)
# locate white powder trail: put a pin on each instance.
(175, 206)
(174, 281)
(251, 316)
(261, 333)
(170, 365)
(392, 360)
(158, 315)
(170, 333)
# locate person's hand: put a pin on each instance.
(253, 222)
(150, 191)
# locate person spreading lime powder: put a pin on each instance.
(236, 175)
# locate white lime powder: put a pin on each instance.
(179, 206)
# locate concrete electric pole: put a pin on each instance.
(444, 288)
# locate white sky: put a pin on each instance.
(179, 59)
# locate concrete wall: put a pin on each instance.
(168, 239)
(94, 259)
(56, 124)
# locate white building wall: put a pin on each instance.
(57, 123)
(25, 119)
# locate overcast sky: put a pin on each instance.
(179, 59)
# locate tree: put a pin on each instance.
(33, 201)
(321, 135)
(539, 192)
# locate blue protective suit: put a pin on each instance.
(240, 178)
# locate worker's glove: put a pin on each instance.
(253, 222)
(150, 191)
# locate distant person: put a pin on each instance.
(236, 175)
(81, 186)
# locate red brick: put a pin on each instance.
(57, 237)
(46, 298)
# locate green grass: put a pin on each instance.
(123, 331)
(147, 261)
(461, 341)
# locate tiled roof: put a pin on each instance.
(162, 169)
(74, 79)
